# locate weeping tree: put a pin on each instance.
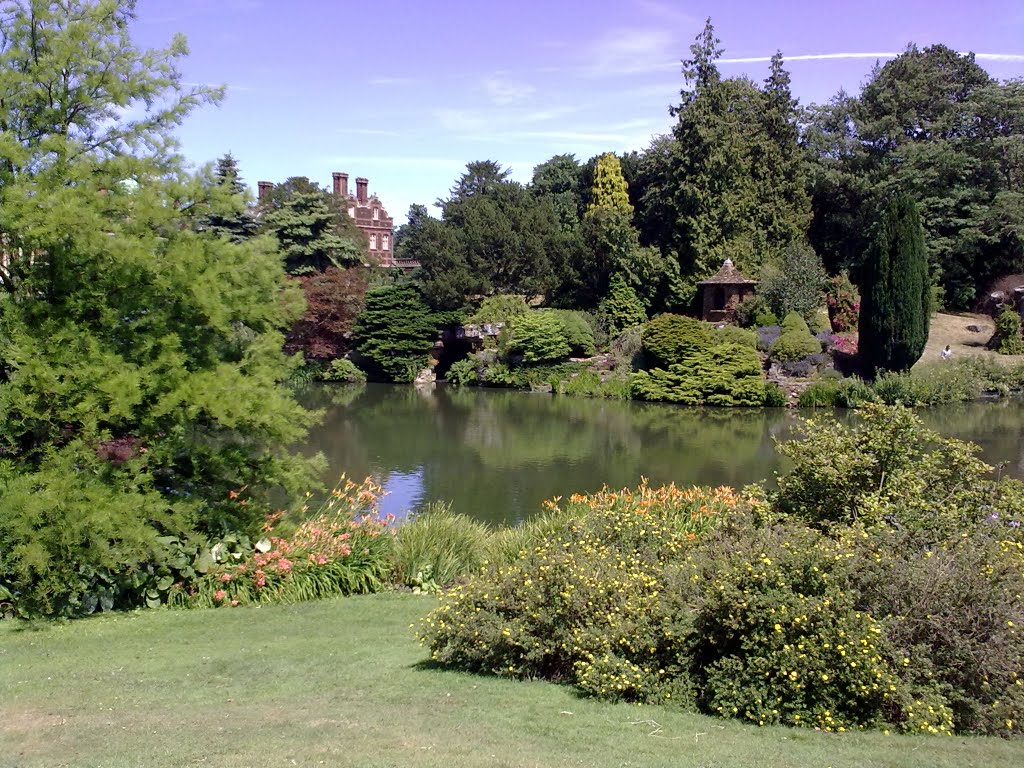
(896, 291)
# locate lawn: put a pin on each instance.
(343, 682)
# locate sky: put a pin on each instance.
(406, 93)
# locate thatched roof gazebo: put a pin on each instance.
(723, 291)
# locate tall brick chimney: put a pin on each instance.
(361, 189)
(340, 184)
(264, 190)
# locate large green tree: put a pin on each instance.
(932, 123)
(895, 308)
(139, 356)
(736, 183)
(232, 217)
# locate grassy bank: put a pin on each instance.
(341, 682)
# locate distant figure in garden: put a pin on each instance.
(947, 353)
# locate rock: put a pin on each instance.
(974, 328)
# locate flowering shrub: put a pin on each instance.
(843, 302)
(341, 549)
(587, 603)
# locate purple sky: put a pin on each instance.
(406, 93)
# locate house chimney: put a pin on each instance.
(340, 184)
(361, 189)
(264, 190)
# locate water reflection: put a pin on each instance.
(496, 455)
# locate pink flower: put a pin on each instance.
(225, 577)
(219, 595)
(234, 603)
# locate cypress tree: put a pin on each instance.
(896, 303)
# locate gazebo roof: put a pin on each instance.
(728, 275)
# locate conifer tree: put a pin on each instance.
(230, 215)
(308, 235)
(895, 308)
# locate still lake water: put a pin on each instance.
(497, 454)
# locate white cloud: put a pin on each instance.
(631, 51)
(504, 92)
(392, 81)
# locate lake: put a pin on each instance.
(497, 454)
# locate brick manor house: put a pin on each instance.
(367, 211)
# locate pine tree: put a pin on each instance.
(230, 216)
(307, 232)
(895, 308)
(609, 190)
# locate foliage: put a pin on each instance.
(343, 371)
(628, 349)
(735, 335)
(439, 543)
(609, 190)
(754, 312)
(342, 548)
(896, 306)
(589, 383)
(929, 385)
(558, 181)
(579, 334)
(887, 470)
(309, 235)
(141, 354)
(499, 309)
(669, 339)
(906, 130)
(766, 336)
(1008, 339)
(395, 331)
(797, 284)
(537, 336)
(621, 308)
(791, 346)
(231, 218)
(831, 393)
(843, 302)
(736, 179)
(559, 609)
(334, 299)
(774, 395)
(464, 373)
(723, 374)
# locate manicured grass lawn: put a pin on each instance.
(342, 683)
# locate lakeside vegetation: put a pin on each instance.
(151, 318)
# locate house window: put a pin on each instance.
(376, 214)
(386, 242)
(373, 242)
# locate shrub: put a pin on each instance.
(774, 395)
(766, 336)
(928, 385)
(791, 346)
(396, 330)
(842, 393)
(578, 332)
(797, 285)
(499, 308)
(588, 383)
(343, 370)
(669, 339)
(438, 545)
(621, 308)
(539, 336)
(888, 469)
(464, 373)
(726, 374)
(736, 335)
(1008, 339)
(627, 348)
(754, 312)
(843, 303)
(589, 597)
(334, 299)
(807, 366)
(795, 323)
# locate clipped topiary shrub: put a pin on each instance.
(669, 339)
(725, 374)
(539, 336)
(791, 346)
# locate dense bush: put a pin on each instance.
(499, 309)
(344, 371)
(907, 618)
(465, 372)
(843, 302)
(537, 337)
(724, 374)
(1008, 339)
(766, 336)
(833, 393)
(579, 334)
(334, 299)
(669, 339)
(396, 331)
(736, 335)
(754, 312)
(795, 342)
(589, 383)
(796, 286)
(621, 308)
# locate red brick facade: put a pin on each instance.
(366, 211)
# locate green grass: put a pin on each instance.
(342, 682)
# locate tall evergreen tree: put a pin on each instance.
(308, 235)
(230, 215)
(895, 309)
